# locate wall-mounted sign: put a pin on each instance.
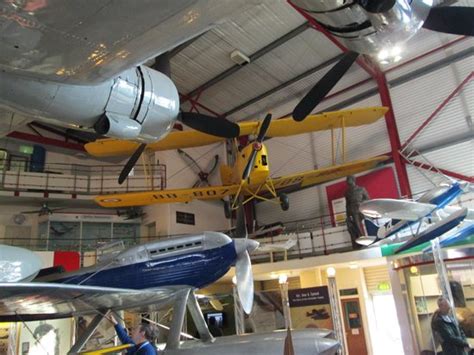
(348, 292)
(26, 149)
(308, 296)
(383, 286)
(310, 308)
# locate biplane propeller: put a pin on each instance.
(214, 126)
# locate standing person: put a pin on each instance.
(142, 337)
(354, 195)
(443, 324)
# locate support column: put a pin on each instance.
(238, 313)
(179, 312)
(336, 312)
(91, 328)
(392, 129)
(441, 271)
(198, 319)
(285, 304)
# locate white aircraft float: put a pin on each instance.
(151, 276)
(451, 222)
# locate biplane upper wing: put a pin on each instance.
(278, 128)
(318, 176)
(166, 196)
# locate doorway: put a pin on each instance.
(354, 328)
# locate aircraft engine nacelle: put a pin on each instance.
(369, 26)
(143, 105)
(140, 104)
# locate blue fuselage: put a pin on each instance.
(195, 268)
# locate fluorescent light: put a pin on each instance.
(282, 278)
(331, 272)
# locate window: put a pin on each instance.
(185, 218)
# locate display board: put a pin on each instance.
(310, 308)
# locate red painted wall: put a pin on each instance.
(379, 184)
(70, 260)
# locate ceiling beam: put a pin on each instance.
(285, 84)
(278, 42)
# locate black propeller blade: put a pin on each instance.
(323, 86)
(257, 146)
(131, 163)
(457, 20)
(214, 126)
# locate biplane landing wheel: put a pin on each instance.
(284, 202)
(227, 209)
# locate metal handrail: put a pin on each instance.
(78, 179)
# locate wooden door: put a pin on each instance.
(354, 328)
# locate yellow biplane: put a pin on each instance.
(249, 177)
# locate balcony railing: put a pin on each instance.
(79, 179)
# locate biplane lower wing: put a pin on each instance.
(319, 176)
(296, 181)
(166, 196)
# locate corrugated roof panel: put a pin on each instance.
(248, 32)
(422, 62)
(422, 42)
(458, 158)
(284, 100)
(286, 62)
(289, 155)
(361, 142)
(415, 100)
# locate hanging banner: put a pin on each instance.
(310, 308)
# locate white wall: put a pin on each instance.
(209, 215)
(7, 213)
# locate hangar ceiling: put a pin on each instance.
(287, 58)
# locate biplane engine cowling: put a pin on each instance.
(140, 104)
(143, 105)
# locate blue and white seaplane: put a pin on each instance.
(451, 222)
(148, 277)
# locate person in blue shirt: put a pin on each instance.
(142, 337)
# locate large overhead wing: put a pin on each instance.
(318, 176)
(166, 196)
(278, 128)
(35, 301)
(81, 43)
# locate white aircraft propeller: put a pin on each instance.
(243, 272)
(243, 266)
